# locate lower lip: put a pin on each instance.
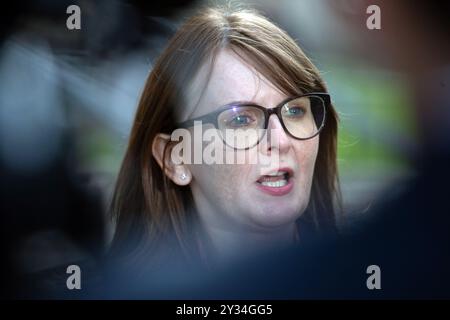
(277, 191)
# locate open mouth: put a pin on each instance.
(276, 183)
(276, 179)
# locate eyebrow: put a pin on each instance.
(238, 103)
(325, 96)
(225, 106)
(218, 110)
(248, 102)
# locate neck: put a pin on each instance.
(229, 245)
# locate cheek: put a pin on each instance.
(220, 183)
(221, 174)
(306, 155)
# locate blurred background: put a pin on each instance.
(68, 98)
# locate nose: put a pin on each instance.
(276, 137)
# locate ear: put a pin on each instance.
(178, 173)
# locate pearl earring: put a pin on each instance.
(183, 176)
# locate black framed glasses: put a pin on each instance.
(243, 125)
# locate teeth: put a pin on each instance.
(275, 184)
(276, 174)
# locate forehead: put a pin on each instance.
(232, 79)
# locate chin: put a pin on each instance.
(270, 217)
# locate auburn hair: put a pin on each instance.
(146, 204)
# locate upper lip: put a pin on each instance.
(287, 170)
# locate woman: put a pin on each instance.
(220, 61)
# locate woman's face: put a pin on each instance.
(231, 196)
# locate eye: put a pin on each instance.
(294, 111)
(241, 120)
